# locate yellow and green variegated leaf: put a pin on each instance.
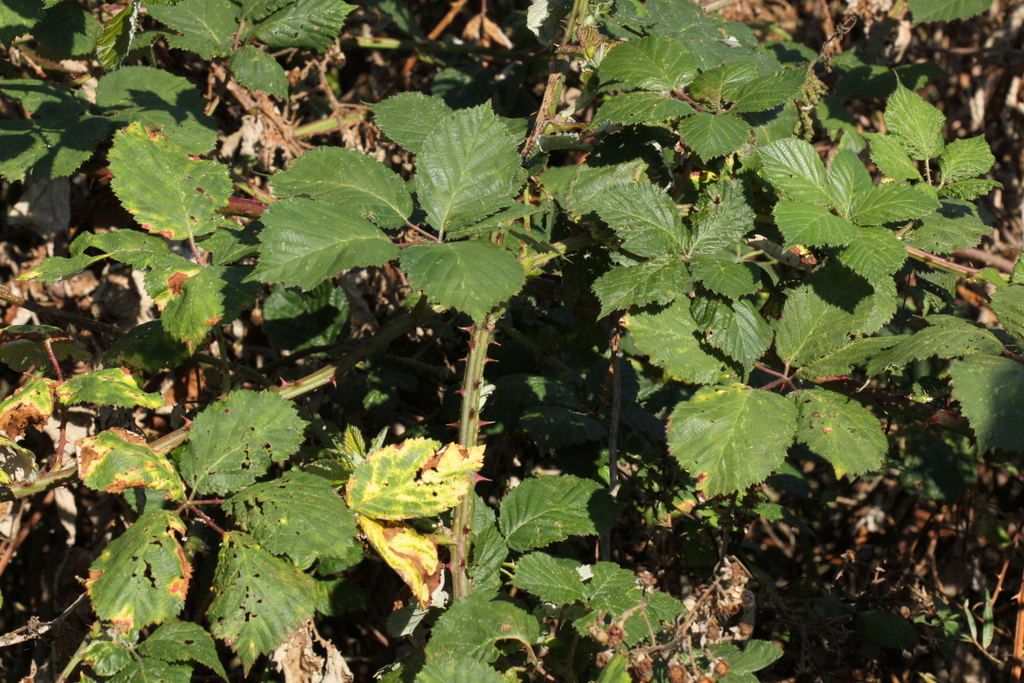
(16, 463)
(412, 479)
(116, 459)
(29, 406)
(114, 387)
(408, 552)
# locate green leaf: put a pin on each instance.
(471, 628)
(257, 70)
(955, 225)
(147, 347)
(305, 24)
(408, 117)
(206, 27)
(183, 641)
(734, 327)
(467, 168)
(67, 30)
(591, 182)
(22, 346)
(812, 225)
(969, 190)
(809, 328)
(258, 599)
(1008, 304)
(792, 166)
(298, 516)
(116, 459)
(640, 107)
(551, 579)
(710, 435)
(847, 180)
(916, 124)
(612, 589)
(657, 280)
(644, 216)
(114, 387)
(37, 150)
(965, 158)
(194, 302)
(842, 360)
(348, 178)
(651, 63)
(135, 248)
(891, 158)
(17, 17)
(768, 92)
(107, 658)
(149, 670)
(946, 337)
(840, 430)
(669, 338)
(116, 38)
(890, 202)
(947, 10)
(489, 553)
(722, 84)
(504, 219)
(153, 97)
(543, 510)
(40, 99)
(294, 320)
(306, 241)
(416, 478)
(460, 671)
(190, 193)
(142, 577)
(555, 427)
(472, 277)
(886, 629)
(991, 392)
(722, 217)
(755, 656)
(713, 135)
(876, 253)
(233, 441)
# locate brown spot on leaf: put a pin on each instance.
(176, 282)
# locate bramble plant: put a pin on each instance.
(702, 285)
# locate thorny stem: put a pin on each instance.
(189, 505)
(481, 336)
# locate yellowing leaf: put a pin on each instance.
(412, 479)
(409, 553)
(116, 460)
(29, 406)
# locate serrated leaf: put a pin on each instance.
(503, 219)
(640, 107)
(946, 10)
(67, 30)
(149, 670)
(233, 441)
(183, 641)
(843, 359)
(461, 671)
(116, 38)
(488, 554)
(722, 84)
(809, 328)
(651, 63)
(955, 225)
(257, 70)
(258, 599)
(991, 393)
(416, 478)
(298, 516)
(812, 225)
(107, 658)
(669, 338)
(206, 27)
(305, 242)
(17, 464)
(876, 253)
(946, 337)
(116, 459)
(471, 628)
(888, 202)
(644, 216)
(29, 406)
(891, 158)
(408, 117)
(965, 158)
(190, 193)
(723, 216)
(153, 97)
(555, 427)
(1008, 304)
(114, 387)
(147, 347)
(551, 579)
(41, 100)
(305, 24)
(37, 150)
(969, 190)
(847, 180)
(294, 320)
(467, 168)
(591, 181)
(142, 577)
(657, 280)
(135, 248)
(734, 327)
(770, 91)
(22, 346)
(711, 436)
(348, 178)
(17, 17)
(543, 510)
(472, 277)
(411, 554)
(840, 430)
(755, 656)
(193, 301)
(794, 167)
(713, 135)
(725, 275)
(916, 124)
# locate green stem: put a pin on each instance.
(481, 336)
(371, 43)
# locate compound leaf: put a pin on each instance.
(916, 124)
(657, 280)
(116, 459)
(183, 641)
(840, 430)
(991, 392)
(651, 63)
(710, 435)
(669, 338)
(543, 510)
(644, 216)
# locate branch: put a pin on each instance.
(59, 315)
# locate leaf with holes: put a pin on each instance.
(412, 555)
(183, 641)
